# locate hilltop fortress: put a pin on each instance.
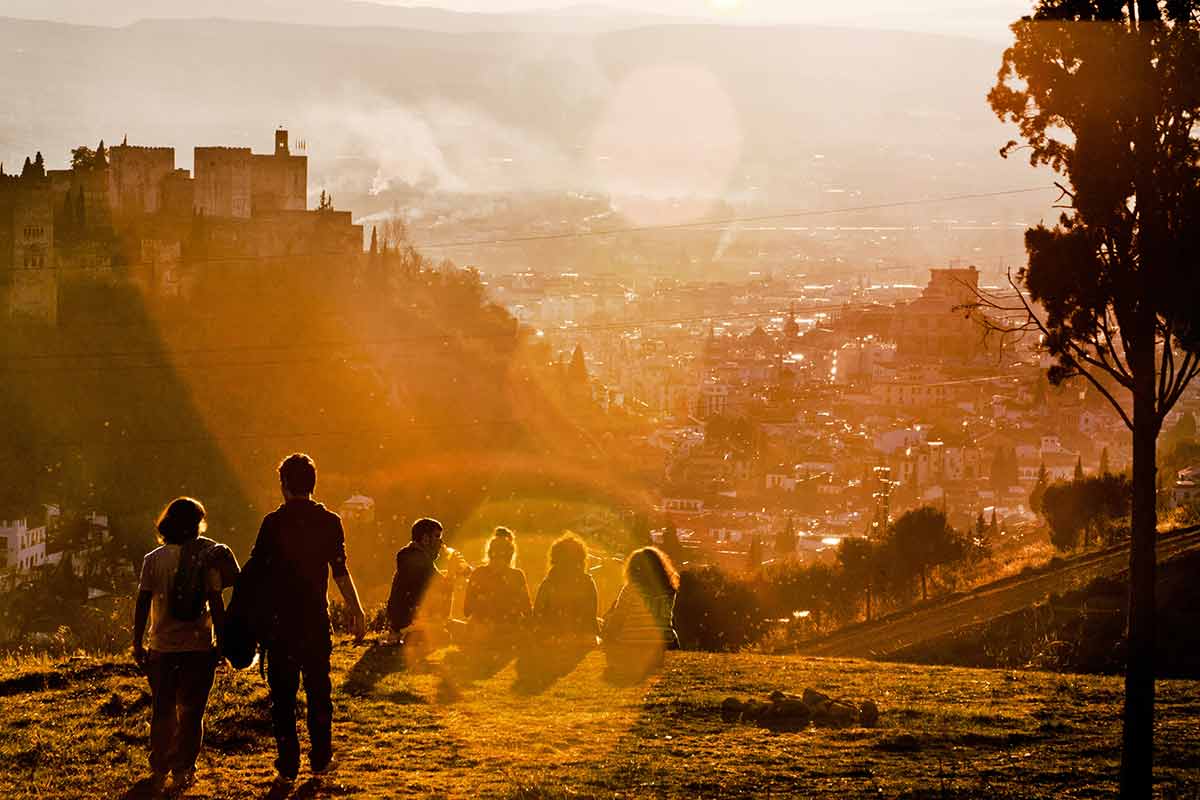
(128, 209)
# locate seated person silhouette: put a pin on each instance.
(640, 626)
(564, 625)
(497, 598)
(418, 607)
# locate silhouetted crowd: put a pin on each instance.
(278, 617)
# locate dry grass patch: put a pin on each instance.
(78, 729)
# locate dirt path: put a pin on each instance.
(878, 640)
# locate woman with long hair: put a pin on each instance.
(641, 623)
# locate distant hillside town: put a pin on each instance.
(129, 208)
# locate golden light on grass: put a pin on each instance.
(976, 732)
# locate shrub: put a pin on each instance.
(717, 611)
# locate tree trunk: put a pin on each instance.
(1137, 745)
(924, 594)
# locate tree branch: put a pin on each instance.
(1166, 368)
(1187, 371)
(1112, 349)
(1072, 362)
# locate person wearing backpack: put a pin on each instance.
(179, 594)
(299, 545)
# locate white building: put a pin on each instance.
(358, 508)
(1187, 486)
(22, 548)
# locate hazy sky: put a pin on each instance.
(978, 17)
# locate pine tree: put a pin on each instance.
(1079, 469)
(1104, 470)
(754, 555)
(577, 374)
(1103, 94)
(639, 531)
(374, 241)
(922, 540)
(1039, 490)
(1040, 390)
(785, 541)
(671, 544)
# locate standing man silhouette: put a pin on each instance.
(299, 545)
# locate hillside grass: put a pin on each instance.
(79, 728)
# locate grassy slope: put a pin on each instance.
(980, 733)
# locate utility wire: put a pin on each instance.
(729, 220)
(724, 221)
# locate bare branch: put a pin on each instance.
(1072, 362)
(1110, 345)
(1187, 371)
(1166, 369)
(1108, 396)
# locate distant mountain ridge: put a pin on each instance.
(333, 13)
(803, 116)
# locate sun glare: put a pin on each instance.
(725, 5)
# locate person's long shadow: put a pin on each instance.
(539, 669)
(378, 661)
(301, 791)
(478, 663)
(142, 790)
(625, 667)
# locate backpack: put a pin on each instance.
(249, 619)
(188, 596)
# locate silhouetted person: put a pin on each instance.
(641, 623)
(299, 545)
(497, 599)
(180, 594)
(418, 607)
(566, 605)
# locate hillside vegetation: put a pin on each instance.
(78, 729)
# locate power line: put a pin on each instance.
(724, 221)
(728, 220)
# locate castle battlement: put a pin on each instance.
(131, 204)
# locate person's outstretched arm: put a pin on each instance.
(592, 604)
(471, 598)
(141, 613)
(345, 585)
(526, 607)
(216, 603)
